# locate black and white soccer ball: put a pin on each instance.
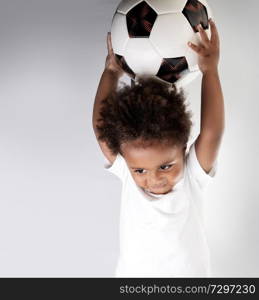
(150, 38)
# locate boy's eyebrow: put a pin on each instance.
(164, 163)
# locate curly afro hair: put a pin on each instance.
(149, 111)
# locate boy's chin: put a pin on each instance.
(164, 191)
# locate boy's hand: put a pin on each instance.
(208, 49)
(111, 64)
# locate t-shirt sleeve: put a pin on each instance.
(118, 167)
(196, 170)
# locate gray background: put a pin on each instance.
(59, 210)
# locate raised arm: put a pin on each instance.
(108, 83)
(212, 102)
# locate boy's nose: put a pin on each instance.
(156, 181)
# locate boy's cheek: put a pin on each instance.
(139, 181)
(176, 175)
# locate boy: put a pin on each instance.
(143, 132)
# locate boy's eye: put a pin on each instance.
(166, 167)
(140, 171)
(163, 167)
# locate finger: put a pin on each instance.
(204, 37)
(214, 32)
(194, 47)
(109, 43)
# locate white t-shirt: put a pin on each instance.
(163, 235)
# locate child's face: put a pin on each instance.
(156, 168)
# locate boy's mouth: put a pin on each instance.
(158, 187)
